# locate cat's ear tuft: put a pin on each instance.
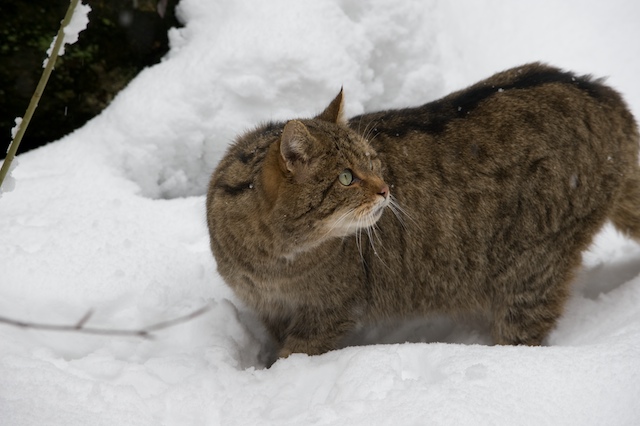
(295, 146)
(334, 112)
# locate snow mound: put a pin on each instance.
(224, 75)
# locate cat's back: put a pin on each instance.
(532, 128)
(513, 109)
(520, 168)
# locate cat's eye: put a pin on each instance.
(346, 177)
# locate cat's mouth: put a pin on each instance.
(378, 209)
(354, 220)
(370, 216)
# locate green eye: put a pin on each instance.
(346, 177)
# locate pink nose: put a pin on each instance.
(384, 191)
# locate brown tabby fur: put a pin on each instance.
(496, 190)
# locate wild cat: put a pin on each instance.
(480, 202)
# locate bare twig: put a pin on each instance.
(84, 319)
(79, 327)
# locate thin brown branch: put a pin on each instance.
(79, 326)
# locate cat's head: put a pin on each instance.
(327, 179)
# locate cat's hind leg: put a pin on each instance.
(525, 313)
(626, 212)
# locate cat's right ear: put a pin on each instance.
(296, 144)
(334, 113)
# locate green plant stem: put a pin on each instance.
(33, 104)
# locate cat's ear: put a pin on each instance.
(296, 148)
(334, 112)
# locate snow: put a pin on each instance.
(77, 24)
(16, 128)
(111, 218)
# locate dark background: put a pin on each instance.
(121, 39)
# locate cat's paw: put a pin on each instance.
(284, 353)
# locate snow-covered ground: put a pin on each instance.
(111, 218)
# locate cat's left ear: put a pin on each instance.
(334, 112)
(297, 148)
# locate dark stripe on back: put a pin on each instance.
(470, 98)
(245, 157)
(434, 117)
(234, 190)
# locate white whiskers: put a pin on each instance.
(359, 239)
(369, 129)
(364, 224)
(400, 213)
(338, 222)
(352, 222)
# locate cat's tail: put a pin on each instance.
(626, 212)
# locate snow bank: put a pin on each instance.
(112, 218)
(225, 75)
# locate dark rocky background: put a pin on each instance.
(122, 38)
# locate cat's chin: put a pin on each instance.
(377, 210)
(356, 221)
(375, 213)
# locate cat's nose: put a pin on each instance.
(384, 191)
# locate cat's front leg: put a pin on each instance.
(315, 332)
(310, 347)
